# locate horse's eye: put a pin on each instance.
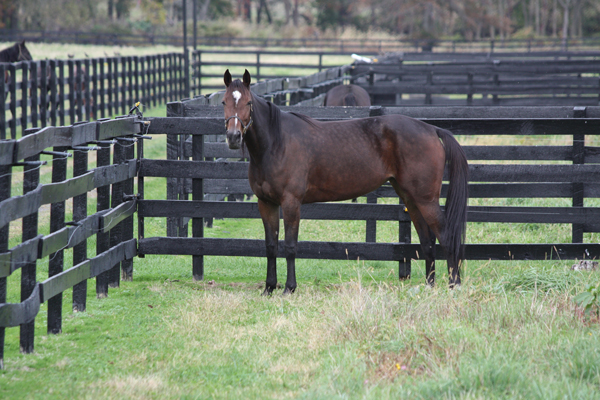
(223, 102)
(249, 103)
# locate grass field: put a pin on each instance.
(351, 331)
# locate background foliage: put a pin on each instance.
(422, 19)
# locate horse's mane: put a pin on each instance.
(306, 119)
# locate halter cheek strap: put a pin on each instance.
(244, 127)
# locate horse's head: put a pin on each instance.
(237, 104)
(24, 54)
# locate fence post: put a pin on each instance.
(429, 85)
(102, 203)
(5, 186)
(3, 107)
(33, 93)
(186, 73)
(79, 90)
(44, 86)
(123, 73)
(198, 195)
(199, 69)
(12, 70)
(61, 96)
(71, 69)
(578, 158)
(371, 228)
(257, 66)
(470, 94)
(56, 260)
(86, 90)
(116, 232)
(404, 236)
(24, 95)
(31, 179)
(128, 189)
(80, 167)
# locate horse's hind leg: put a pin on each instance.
(427, 239)
(435, 219)
(270, 216)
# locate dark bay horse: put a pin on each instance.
(16, 52)
(348, 96)
(295, 160)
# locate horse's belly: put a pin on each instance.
(343, 185)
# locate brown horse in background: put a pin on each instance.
(347, 96)
(296, 160)
(15, 53)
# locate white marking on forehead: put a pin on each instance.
(237, 96)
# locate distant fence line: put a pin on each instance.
(342, 45)
(59, 92)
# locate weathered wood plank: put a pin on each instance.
(15, 314)
(364, 251)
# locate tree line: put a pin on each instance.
(418, 19)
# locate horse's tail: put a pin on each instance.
(458, 195)
(350, 100)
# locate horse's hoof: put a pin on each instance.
(267, 292)
(288, 291)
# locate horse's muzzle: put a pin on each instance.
(234, 139)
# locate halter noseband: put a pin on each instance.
(244, 127)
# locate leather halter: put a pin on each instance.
(244, 127)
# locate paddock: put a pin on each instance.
(568, 170)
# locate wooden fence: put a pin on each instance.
(483, 82)
(112, 223)
(347, 45)
(60, 92)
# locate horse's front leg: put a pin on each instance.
(270, 216)
(291, 221)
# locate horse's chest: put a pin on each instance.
(262, 187)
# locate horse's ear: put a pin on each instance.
(227, 78)
(23, 42)
(247, 79)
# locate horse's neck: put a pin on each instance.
(5, 55)
(263, 136)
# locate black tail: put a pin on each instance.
(350, 100)
(457, 197)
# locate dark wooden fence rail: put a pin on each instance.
(59, 92)
(364, 44)
(491, 82)
(112, 222)
(577, 181)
